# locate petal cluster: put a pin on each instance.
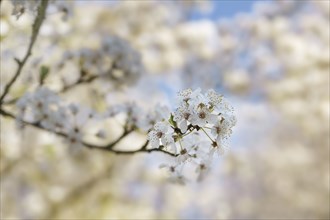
(196, 130)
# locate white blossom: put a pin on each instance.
(188, 94)
(203, 116)
(175, 173)
(222, 127)
(74, 139)
(31, 6)
(203, 167)
(22, 6)
(198, 128)
(182, 116)
(161, 135)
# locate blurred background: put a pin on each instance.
(269, 58)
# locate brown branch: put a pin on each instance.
(35, 31)
(108, 147)
(64, 89)
(82, 80)
(10, 102)
(79, 82)
(113, 144)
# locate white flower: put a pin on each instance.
(222, 128)
(114, 110)
(74, 138)
(175, 173)
(147, 121)
(65, 7)
(218, 147)
(188, 94)
(79, 117)
(195, 144)
(126, 61)
(203, 116)
(58, 119)
(182, 116)
(168, 142)
(21, 6)
(21, 105)
(74, 127)
(214, 98)
(160, 134)
(203, 166)
(183, 156)
(39, 106)
(224, 107)
(134, 115)
(191, 148)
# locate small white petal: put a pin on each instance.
(183, 126)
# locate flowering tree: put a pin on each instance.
(177, 133)
(108, 82)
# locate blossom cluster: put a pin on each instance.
(115, 60)
(21, 6)
(31, 6)
(136, 117)
(44, 108)
(196, 131)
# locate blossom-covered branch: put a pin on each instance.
(193, 133)
(108, 147)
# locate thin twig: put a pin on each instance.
(64, 89)
(113, 144)
(35, 31)
(10, 102)
(80, 81)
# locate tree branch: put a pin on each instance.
(64, 89)
(80, 81)
(35, 31)
(108, 147)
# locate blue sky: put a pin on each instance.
(226, 9)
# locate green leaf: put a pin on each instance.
(172, 122)
(43, 73)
